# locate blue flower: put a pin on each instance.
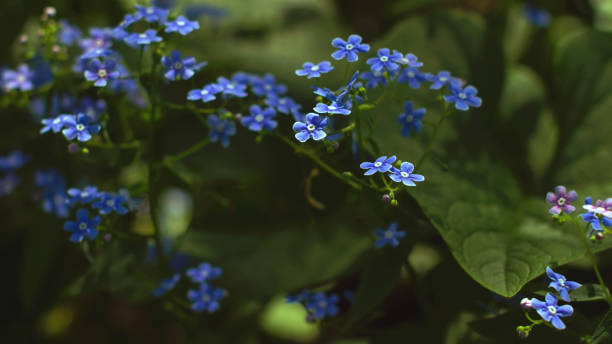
(260, 119)
(220, 130)
(203, 273)
(152, 14)
(463, 98)
(385, 60)
(92, 107)
(206, 94)
(561, 284)
(129, 19)
(83, 196)
(109, 202)
(601, 211)
(349, 48)
(302, 297)
(231, 88)
(409, 60)
(8, 184)
(412, 76)
(79, 128)
(179, 69)
(389, 236)
(536, 16)
(313, 127)
(550, 312)
(382, 165)
(99, 38)
(13, 161)
(267, 85)
(333, 108)
(181, 25)
(53, 193)
(410, 119)
(314, 70)
(438, 81)
(165, 285)
(21, 79)
(284, 105)
(55, 124)
(373, 79)
(321, 305)
(144, 38)
(101, 74)
(68, 34)
(205, 298)
(83, 226)
(404, 174)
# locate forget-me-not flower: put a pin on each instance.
(231, 88)
(321, 305)
(260, 119)
(205, 298)
(181, 25)
(206, 93)
(561, 284)
(152, 14)
(333, 108)
(81, 129)
(312, 128)
(82, 196)
(440, 80)
(598, 215)
(220, 130)
(385, 60)
(412, 76)
(349, 48)
(463, 98)
(389, 236)
(382, 165)
(55, 124)
(109, 202)
(144, 38)
(404, 174)
(267, 85)
(20, 79)
(560, 200)
(178, 68)
(165, 285)
(101, 73)
(83, 226)
(550, 312)
(203, 273)
(410, 119)
(314, 70)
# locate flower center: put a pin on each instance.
(323, 304)
(178, 65)
(84, 194)
(220, 127)
(388, 235)
(462, 95)
(377, 164)
(102, 73)
(110, 203)
(99, 42)
(143, 35)
(150, 10)
(80, 127)
(21, 79)
(561, 282)
(56, 121)
(409, 118)
(259, 118)
(410, 74)
(314, 68)
(349, 46)
(443, 79)
(384, 59)
(204, 92)
(230, 87)
(310, 127)
(552, 310)
(180, 22)
(405, 174)
(561, 201)
(332, 108)
(82, 226)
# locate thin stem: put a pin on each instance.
(187, 152)
(431, 142)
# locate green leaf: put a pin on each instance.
(588, 292)
(602, 332)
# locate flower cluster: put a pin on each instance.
(384, 164)
(9, 165)
(72, 126)
(319, 305)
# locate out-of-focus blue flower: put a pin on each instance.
(20, 79)
(165, 285)
(101, 73)
(440, 80)
(82, 196)
(410, 119)
(382, 165)
(205, 298)
(404, 174)
(260, 119)
(412, 76)
(92, 107)
(321, 305)
(68, 34)
(284, 105)
(206, 93)
(129, 19)
(550, 312)
(598, 215)
(99, 38)
(178, 68)
(181, 25)
(389, 236)
(536, 16)
(349, 48)
(302, 297)
(152, 14)
(53, 192)
(83, 226)
(81, 129)
(109, 202)
(266, 85)
(463, 98)
(144, 38)
(13, 161)
(243, 78)
(8, 184)
(220, 130)
(203, 273)
(561, 284)
(231, 88)
(385, 60)
(560, 200)
(373, 79)
(197, 10)
(409, 60)
(312, 70)
(313, 127)
(333, 108)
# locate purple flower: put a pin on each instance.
(79, 128)
(598, 214)
(260, 119)
(152, 14)
(389, 236)
(550, 312)
(203, 273)
(314, 70)
(349, 48)
(179, 68)
(561, 284)
(145, 38)
(220, 130)
(404, 175)
(385, 60)
(312, 127)
(205, 298)
(206, 94)
(410, 119)
(561, 200)
(181, 25)
(382, 165)
(83, 226)
(101, 74)
(21, 79)
(463, 98)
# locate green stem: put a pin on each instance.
(187, 152)
(431, 142)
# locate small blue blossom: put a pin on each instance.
(97, 53)
(302, 297)
(152, 14)
(53, 193)
(463, 98)
(92, 107)
(321, 305)
(284, 105)
(181, 25)
(313, 127)
(598, 215)
(550, 312)
(373, 79)
(109, 202)
(333, 108)
(561, 284)
(382, 165)
(20, 79)
(8, 184)
(443, 78)
(266, 85)
(81, 129)
(389, 236)
(165, 285)
(203, 273)
(314, 70)
(231, 88)
(83, 226)
(129, 19)
(101, 74)
(206, 94)
(409, 60)
(205, 298)
(82, 196)
(404, 174)
(99, 38)
(55, 124)
(349, 48)
(260, 119)
(68, 34)
(410, 119)
(178, 68)
(536, 16)
(13, 161)
(144, 38)
(220, 130)
(243, 78)
(385, 60)
(412, 76)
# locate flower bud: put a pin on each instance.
(50, 11)
(386, 198)
(23, 38)
(55, 49)
(599, 236)
(523, 331)
(394, 202)
(526, 303)
(73, 148)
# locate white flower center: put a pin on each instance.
(178, 65)
(314, 68)
(561, 201)
(150, 10)
(180, 22)
(21, 78)
(99, 42)
(377, 164)
(443, 79)
(80, 127)
(230, 87)
(203, 92)
(259, 118)
(220, 127)
(462, 95)
(388, 235)
(404, 174)
(561, 282)
(349, 46)
(410, 74)
(310, 127)
(84, 194)
(384, 59)
(56, 121)
(552, 310)
(102, 73)
(331, 107)
(82, 226)
(110, 203)
(409, 118)
(143, 35)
